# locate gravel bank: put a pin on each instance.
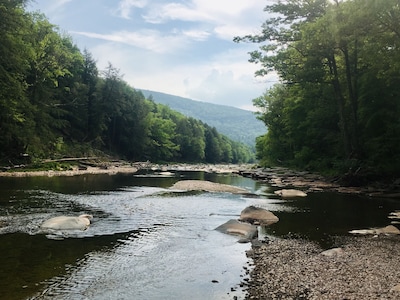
(367, 268)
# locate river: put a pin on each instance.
(148, 242)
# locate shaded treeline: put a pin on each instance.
(337, 105)
(54, 102)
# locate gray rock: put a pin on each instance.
(258, 215)
(235, 227)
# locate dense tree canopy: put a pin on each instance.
(337, 106)
(54, 102)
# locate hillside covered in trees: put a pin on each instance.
(337, 107)
(237, 124)
(54, 102)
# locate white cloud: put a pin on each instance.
(174, 11)
(227, 18)
(125, 7)
(197, 35)
(152, 40)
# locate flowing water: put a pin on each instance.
(146, 241)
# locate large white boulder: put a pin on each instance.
(68, 223)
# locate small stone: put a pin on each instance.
(332, 252)
(396, 288)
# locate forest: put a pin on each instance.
(336, 107)
(55, 102)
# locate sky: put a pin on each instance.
(181, 47)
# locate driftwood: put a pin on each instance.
(70, 159)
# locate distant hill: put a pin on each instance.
(237, 124)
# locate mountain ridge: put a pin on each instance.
(237, 124)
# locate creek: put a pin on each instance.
(148, 242)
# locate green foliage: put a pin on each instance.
(337, 107)
(55, 103)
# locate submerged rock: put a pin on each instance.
(254, 214)
(288, 193)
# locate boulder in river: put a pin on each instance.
(258, 215)
(390, 229)
(208, 186)
(236, 227)
(68, 223)
(289, 193)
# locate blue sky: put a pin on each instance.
(182, 48)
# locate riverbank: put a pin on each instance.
(364, 267)
(112, 168)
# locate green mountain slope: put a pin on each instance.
(238, 124)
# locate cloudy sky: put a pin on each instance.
(181, 47)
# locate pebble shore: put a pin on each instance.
(366, 268)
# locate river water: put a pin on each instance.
(148, 242)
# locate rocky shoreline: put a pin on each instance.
(311, 182)
(366, 267)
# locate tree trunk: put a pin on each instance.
(343, 124)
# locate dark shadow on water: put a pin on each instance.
(33, 259)
(322, 216)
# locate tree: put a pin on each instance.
(327, 56)
(15, 53)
